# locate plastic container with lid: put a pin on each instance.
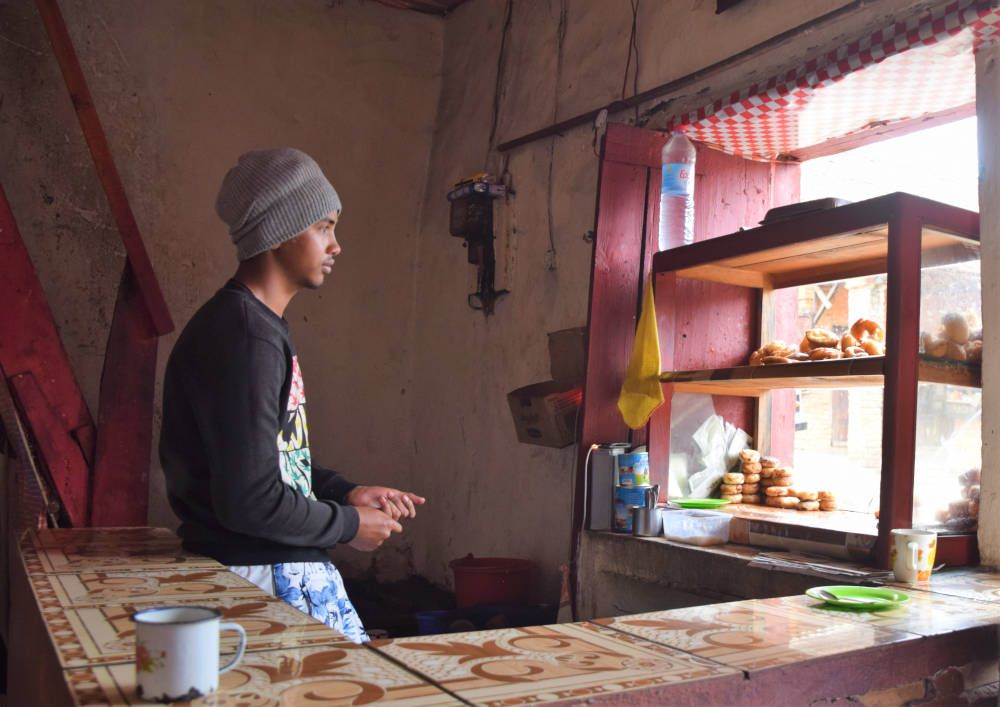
(696, 527)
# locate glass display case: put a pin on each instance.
(894, 426)
(948, 454)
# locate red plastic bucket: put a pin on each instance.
(491, 580)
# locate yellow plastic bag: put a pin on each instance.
(641, 391)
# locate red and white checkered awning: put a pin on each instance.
(911, 69)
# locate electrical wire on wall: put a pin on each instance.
(550, 254)
(633, 51)
(498, 85)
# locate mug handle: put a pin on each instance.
(239, 649)
(912, 547)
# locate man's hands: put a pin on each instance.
(374, 528)
(393, 502)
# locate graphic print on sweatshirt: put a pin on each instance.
(293, 438)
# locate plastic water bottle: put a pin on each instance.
(676, 193)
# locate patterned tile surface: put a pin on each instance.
(926, 614)
(546, 663)
(105, 634)
(124, 549)
(977, 584)
(98, 588)
(753, 635)
(335, 674)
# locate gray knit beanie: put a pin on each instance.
(271, 196)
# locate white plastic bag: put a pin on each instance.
(718, 444)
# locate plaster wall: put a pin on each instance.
(406, 383)
(491, 495)
(183, 87)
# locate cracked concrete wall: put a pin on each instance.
(183, 88)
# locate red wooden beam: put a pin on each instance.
(125, 429)
(149, 288)
(42, 381)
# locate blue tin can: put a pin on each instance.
(625, 498)
(632, 470)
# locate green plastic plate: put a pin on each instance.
(697, 502)
(879, 597)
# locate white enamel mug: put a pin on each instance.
(177, 652)
(912, 554)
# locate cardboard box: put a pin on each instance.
(545, 413)
(568, 354)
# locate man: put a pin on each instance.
(234, 444)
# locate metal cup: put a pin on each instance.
(646, 521)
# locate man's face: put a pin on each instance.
(308, 258)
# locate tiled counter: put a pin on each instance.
(72, 642)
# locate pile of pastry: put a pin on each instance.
(954, 340)
(765, 480)
(963, 515)
(866, 338)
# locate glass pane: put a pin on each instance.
(838, 444)
(949, 396)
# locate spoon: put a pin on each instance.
(830, 596)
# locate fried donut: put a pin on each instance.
(751, 498)
(733, 497)
(732, 478)
(730, 489)
(804, 345)
(873, 348)
(867, 329)
(809, 505)
(751, 478)
(798, 356)
(956, 328)
(821, 338)
(954, 351)
(933, 345)
(972, 476)
(783, 471)
(750, 488)
(769, 462)
(767, 473)
(776, 491)
(824, 352)
(782, 501)
(854, 352)
(847, 341)
(776, 348)
(807, 495)
(751, 467)
(828, 505)
(825, 495)
(755, 358)
(974, 352)
(749, 456)
(775, 360)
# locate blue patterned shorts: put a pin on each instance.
(314, 588)
(317, 589)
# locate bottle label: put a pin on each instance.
(677, 179)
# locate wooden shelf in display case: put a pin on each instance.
(719, 299)
(754, 381)
(816, 247)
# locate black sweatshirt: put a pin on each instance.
(234, 444)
